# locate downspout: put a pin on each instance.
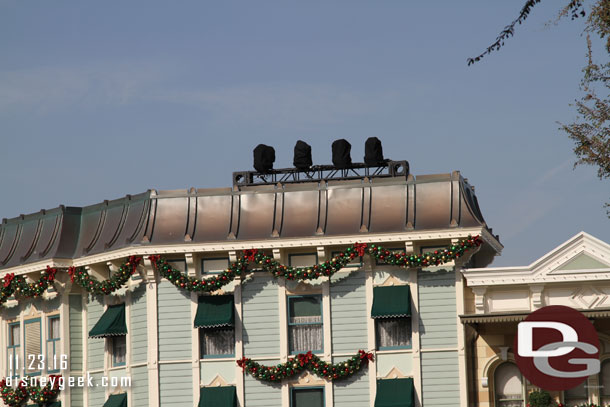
(473, 364)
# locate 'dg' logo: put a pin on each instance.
(557, 348)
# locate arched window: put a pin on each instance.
(604, 382)
(508, 386)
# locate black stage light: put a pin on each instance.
(264, 157)
(341, 151)
(373, 153)
(302, 155)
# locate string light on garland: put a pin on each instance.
(81, 277)
(17, 285)
(306, 361)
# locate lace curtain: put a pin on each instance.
(509, 386)
(218, 341)
(393, 332)
(306, 333)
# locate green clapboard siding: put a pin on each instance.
(353, 391)
(95, 346)
(348, 312)
(437, 309)
(262, 394)
(175, 322)
(261, 330)
(76, 396)
(176, 385)
(138, 327)
(96, 394)
(139, 385)
(440, 379)
(76, 332)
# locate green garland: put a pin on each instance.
(435, 258)
(328, 268)
(17, 285)
(14, 397)
(306, 361)
(105, 287)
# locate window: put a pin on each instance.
(33, 347)
(217, 341)
(307, 397)
(53, 344)
(604, 382)
(392, 313)
(576, 396)
(214, 266)
(14, 342)
(215, 319)
(508, 385)
(393, 333)
(305, 324)
(119, 350)
(112, 326)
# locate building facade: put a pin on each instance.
(118, 312)
(575, 274)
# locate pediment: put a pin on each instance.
(582, 253)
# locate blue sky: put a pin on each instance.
(103, 99)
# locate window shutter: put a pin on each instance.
(32, 344)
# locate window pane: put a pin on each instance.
(119, 350)
(214, 266)
(303, 260)
(304, 338)
(304, 307)
(508, 385)
(217, 341)
(53, 328)
(13, 335)
(393, 332)
(307, 398)
(33, 344)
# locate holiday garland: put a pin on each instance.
(17, 285)
(306, 361)
(14, 397)
(108, 286)
(328, 268)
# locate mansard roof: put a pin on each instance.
(335, 208)
(581, 258)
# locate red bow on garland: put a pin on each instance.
(71, 271)
(250, 254)
(360, 248)
(8, 279)
(51, 274)
(365, 356)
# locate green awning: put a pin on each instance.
(225, 396)
(112, 323)
(214, 311)
(116, 400)
(54, 404)
(391, 301)
(395, 393)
